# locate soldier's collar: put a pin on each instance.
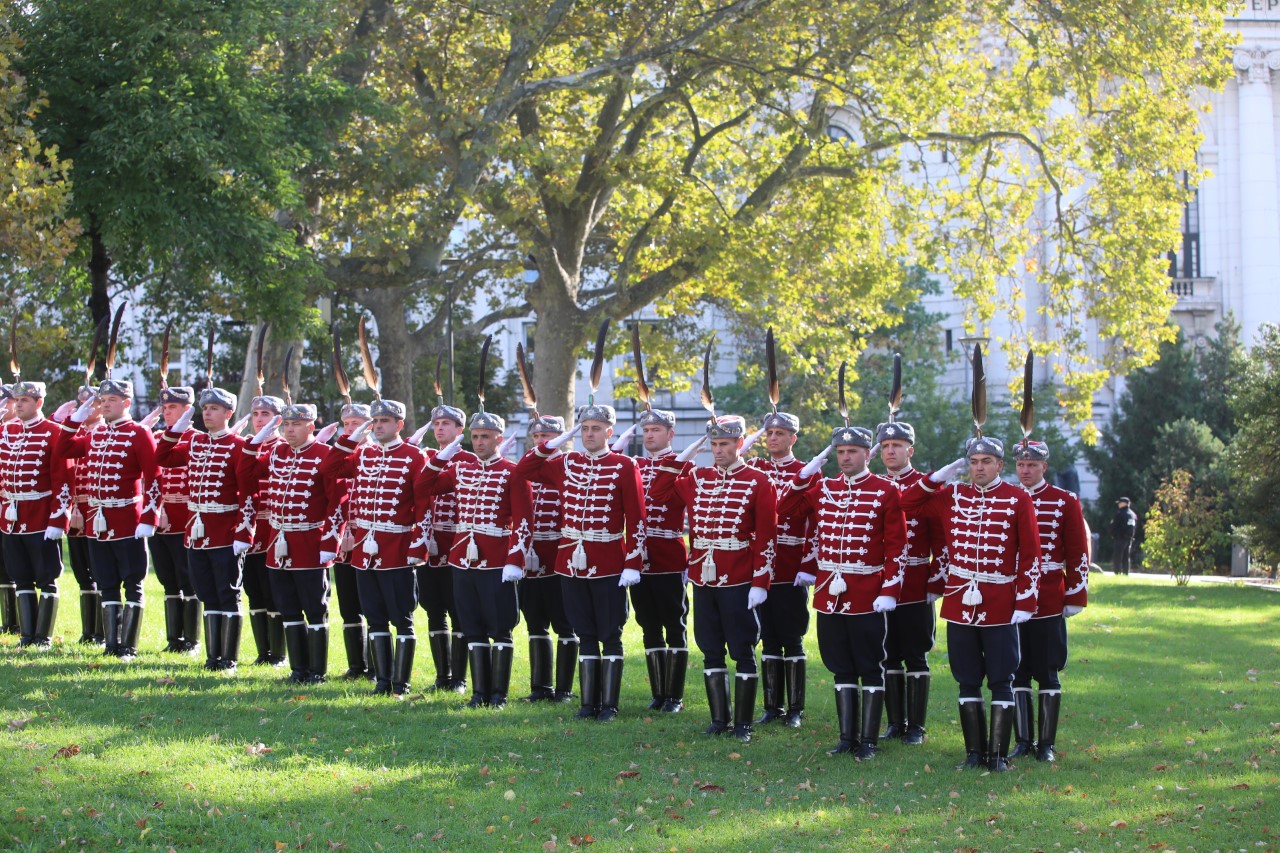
(597, 454)
(658, 454)
(392, 444)
(900, 473)
(311, 439)
(123, 419)
(982, 490)
(37, 419)
(737, 464)
(786, 460)
(491, 458)
(219, 433)
(1038, 487)
(858, 477)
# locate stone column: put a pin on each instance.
(1259, 204)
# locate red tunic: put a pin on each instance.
(1064, 550)
(493, 510)
(795, 527)
(35, 485)
(993, 548)
(733, 518)
(120, 469)
(212, 461)
(382, 506)
(544, 529)
(926, 564)
(254, 514)
(665, 547)
(79, 478)
(174, 515)
(303, 505)
(861, 536)
(441, 521)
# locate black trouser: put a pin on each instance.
(852, 647)
(169, 561)
(33, 562)
(1120, 557)
(388, 597)
(216, 574)
(257, 584)
(784, 620)
(978, 653)
(118, 564)
(487, 607)
(1042, 645)
(662, 610)
(435, 594)
(78, 551)
(542, 603)
(597, 610)
(721, 619)
(301, 591)
(344, 584)
(910, 637)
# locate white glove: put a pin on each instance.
(884, 603)
(564, 437)
(238, 547)
(871, 454)
(691, 451)
(751, 440)
(1069, 610)
(506, 445)
(932, 597)
(419, 434)
(511, 574)
(328, 556)
(955, 469)
(183, 423)
(63, 412)
(327, 433)
(152, 416)
(756, 597)
(415, 561)
(265, 433)
(805, 579)
(360, 432)
(620, 443)
(55, 533)
(239, 425)
(81, 414)
(449, 450)
(630, 577)
(1020, 616)
(814, 465)
(144, 531)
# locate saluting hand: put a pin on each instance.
(183, 423)
(449, 450)
(955, 469)
(620, 443)
(814, 465)
(564, 437)
(691, 451)
(82, 414)
(751, 440)
(328, 432)
(266, 432)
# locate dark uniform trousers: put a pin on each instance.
(852, 647)
(784, 620)
(1043, 647)
(119, 564)
(299, 592)
(388, 597)
(169, 561)
(910, 636)
(597, 610)
(487, 607)
(257, 584)
(344, 584)
(217, 575)
(542, 603)
(33, 562)
(435, 594)
(662, 610)
(78, 551)
(721, 620)
(978, 653)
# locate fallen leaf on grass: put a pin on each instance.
(579, 840)
(93, 813)
(1118, 824)
(711, 789)
(1241, 787)
(19, 724)
(68, 751)
(258, 748)
(626, 774)
(141, 823)
(806, 785)
(439, 834)
(166, 679)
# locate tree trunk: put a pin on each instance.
(394, 359)
(272, 365)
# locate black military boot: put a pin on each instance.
(90, 617)
(589, 685)
(872, 710)
(744, 705)
(258, 627)
(27, 610)
(356, 643)
(847, 718)
(655, 663)
(895, 704)
(318, 654)
(998, 743)
(773, 688)
(1050, 706)
(973, 725)
(1023, 723)
(231, 628)
(212, 639)
(917, 707)
(500, 657)
(677, 668)
(610, 688)
(458, 655)
(130, 629)
(111, 628)
(46, 618)
(191, 616)
(380, 654)
(173, 623)
(402, 666)
(717, 683)
(566, 666)
(276, 653)
(540, 664)
(795, 672)
(295, 642)
(9, 609)
(481, 674)
(438, 644)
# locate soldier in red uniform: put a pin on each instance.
(993, 572)
(168, 549)
(8, 591)
(91, 630)
(1064, 591)
(734, 520)
(355, 637)
(912, 624)
(265, 621)
(305, 521)
(784, 617)
(599, 550)
(36, 495)
(382, 512)
(541, 596)
(120, 471)
(487, 555)
(861, 543)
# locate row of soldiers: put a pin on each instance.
(583, 535)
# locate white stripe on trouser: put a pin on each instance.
(917, 674)
(26, 592)
(846, 687)
(253, 610)
(504, 645)
(895, 672)
(658, 649)
(316, 627)
(291, 624)
(379, 634)
(714, 671)
(1050, 692)
(966, 699)
(771, 657)
(1001, 703)
(568, 641)
(797, 657)
(872, 689)
(611, 657)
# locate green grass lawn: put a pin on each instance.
(1168, 741)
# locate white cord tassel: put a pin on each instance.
(709, 567)
(282, 547)
(197, 527)
(432, 548)
(371, 544)
(535, 565)
(837, 585)
(579, 559)
(100, 521)
(972, 595)
(473, 553)
(11, 512)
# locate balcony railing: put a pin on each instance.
(1195, 293)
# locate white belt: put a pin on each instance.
(296, 526)
(82, 499)
(915, 561)
(1046, 566)
(981, 577)
(195, 507)
(445, 527)
(485, 529)
(788, 539)
(849, 568)
(27, 496)
(111, 503)
(589, 535)
(726, 544)
(662, 533)
(381, 526)
(546, 536)
(173, 499)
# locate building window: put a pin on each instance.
(1185, 262)
(950, 343)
